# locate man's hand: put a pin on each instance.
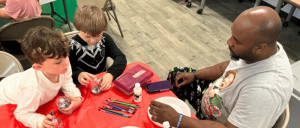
(75, 103)
(84, 78)
(106, 81)
(47, 122)
(186, 77)
(162, 112)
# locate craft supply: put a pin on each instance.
(96, 89)
(51, 113)
(118, 107)
(129, 111)
(137, 74)
(114, 111)
(137, 92)
(124, 103)
(121, 105)
(58, 121)
(112, 108)
(115, 114)
(166, 124)
(63, 102)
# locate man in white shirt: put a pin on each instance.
(250, 91)
(51, 71)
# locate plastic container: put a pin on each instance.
(166, 124)
(63, 102)
(137, 74)
(137, 92)
(58, 123)
(96, 89)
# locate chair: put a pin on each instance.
(200, 10)
(14, 31)
(109, 62)
(9, 65)
(283, 119)
(295, 4)
(106, 5)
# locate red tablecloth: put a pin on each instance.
(88, 116)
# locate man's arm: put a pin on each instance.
(162, 112)
(212, 73)
(254, 108)
(188, 122)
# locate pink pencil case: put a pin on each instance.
(137, 74)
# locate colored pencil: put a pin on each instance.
(124, 103)
(121, 105)
(115, 114)
(111, 108)
(114, 111)
(116, 106)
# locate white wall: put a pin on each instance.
(286, 8)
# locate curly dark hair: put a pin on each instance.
(40, 43)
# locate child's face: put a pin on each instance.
(53, 66)
(89, 38)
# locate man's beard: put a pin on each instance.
(247, 56)
(234, 56)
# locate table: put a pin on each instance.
(87, 115)
(66, 21)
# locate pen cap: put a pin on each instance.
(51, 113)
(166, 124)
(137, 85)
(137, 89)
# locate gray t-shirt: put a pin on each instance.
(250, 95)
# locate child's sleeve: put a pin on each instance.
(117, 55)
(13, 9)
(29, 101)
(69, 87)
(73, 60)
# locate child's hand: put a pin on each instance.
(47, 122)
(75, 103)
(84, 78)
(106, 81)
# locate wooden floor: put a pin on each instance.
(165, 33)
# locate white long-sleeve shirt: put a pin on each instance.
(30, 89)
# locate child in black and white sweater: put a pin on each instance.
(91, 47)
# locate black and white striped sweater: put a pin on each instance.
(93, 60)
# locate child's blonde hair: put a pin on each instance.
(40, 43)
(90, 19)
